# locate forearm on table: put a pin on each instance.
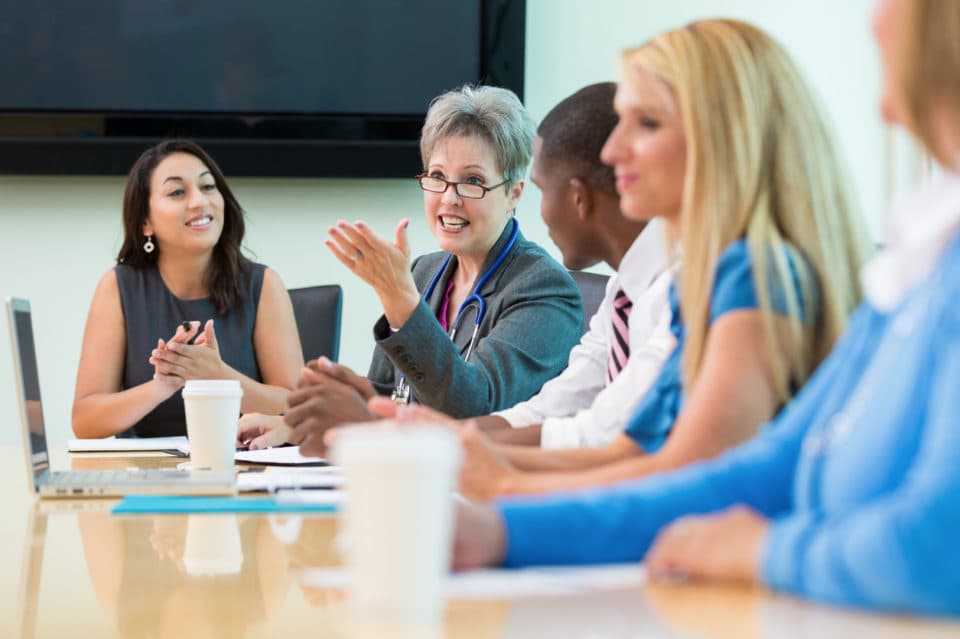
(525, 436)
(538, 461)
(107, 414)
(541, 471)
(261, 398)
(608, 525)
(490, 424)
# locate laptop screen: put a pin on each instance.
(29, 386)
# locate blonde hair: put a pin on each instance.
(927, 68)
(760, 166)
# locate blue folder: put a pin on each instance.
(143, 504)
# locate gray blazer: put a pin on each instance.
(533, 320)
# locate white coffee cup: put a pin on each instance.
(397, 520)
(212, 547)
(212, 408)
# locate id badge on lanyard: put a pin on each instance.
(401, 392)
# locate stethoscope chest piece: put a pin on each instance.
(401, 392)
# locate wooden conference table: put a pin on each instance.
(70, 569)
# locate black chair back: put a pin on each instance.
(317, 310)
(592, 287)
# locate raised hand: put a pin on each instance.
(382, 265)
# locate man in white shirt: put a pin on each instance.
(580, 206)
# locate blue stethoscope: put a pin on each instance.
(401, 391)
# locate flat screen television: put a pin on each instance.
(284, 88)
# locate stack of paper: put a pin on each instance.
(499, 583)
(279, 456)
(126, 444)
(274, 479)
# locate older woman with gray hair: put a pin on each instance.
(473, 328)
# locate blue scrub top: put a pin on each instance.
(734, 288)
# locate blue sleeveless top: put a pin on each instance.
(152, 312)
(733, 289)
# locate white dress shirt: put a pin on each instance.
(576, 408)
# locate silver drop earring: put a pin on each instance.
(149, 246)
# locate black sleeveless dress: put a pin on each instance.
(152, 312)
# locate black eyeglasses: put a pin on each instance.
(463, 189)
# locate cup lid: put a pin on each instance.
(212, 387)
(385, 444)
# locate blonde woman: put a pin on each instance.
(721, 138)
(852, 494)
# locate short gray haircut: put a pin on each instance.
(493, 114)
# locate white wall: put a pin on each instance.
(571, 43)
(58, 235)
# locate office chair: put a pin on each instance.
(592, 287)
(317, 310)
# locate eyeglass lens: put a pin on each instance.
(438, 185)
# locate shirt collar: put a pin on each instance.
(919, 226)
(645, 260)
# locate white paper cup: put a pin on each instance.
(212, 546)
(396, 521)
(212, 408)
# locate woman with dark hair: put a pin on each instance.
(181, 272)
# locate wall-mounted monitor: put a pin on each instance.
(283, 88)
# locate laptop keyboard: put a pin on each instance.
(133, 481)
(117, 476)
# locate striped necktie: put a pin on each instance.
(620, 340)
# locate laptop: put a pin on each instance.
(112, 483)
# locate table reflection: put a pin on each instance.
(253, 575)
(174, 576)
(312, 546)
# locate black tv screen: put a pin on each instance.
(294, 87)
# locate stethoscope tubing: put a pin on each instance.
(401, 391)
(474, 296)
